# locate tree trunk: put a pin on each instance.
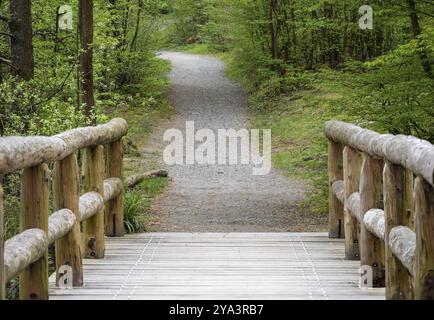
(274, 47)
(85, 26)
(125, 24)
(137, 27)
(294, 33)
(20, 26)
(416, 31)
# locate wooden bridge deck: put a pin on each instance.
(220, 266)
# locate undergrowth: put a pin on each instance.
(137, 203)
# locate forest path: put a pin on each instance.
(213, 198)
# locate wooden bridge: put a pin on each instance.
(381, 213)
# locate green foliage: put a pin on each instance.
(390, 86)
(186, 20)
(302, 61)
(198, 48)
(276, 85)
(124, 65)
(128, 78)
(306, 61)
(32, 108)
(394, 100)
(134, 207)
(296, 120)
(137, 203)
(11, 219)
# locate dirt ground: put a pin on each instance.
(214, 198)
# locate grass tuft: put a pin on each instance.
(137, 203)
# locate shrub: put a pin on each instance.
(134, 211)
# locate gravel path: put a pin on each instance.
(217, 198)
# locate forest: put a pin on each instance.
(66, 64)
(48, 74)
(278, 45)
(304, 62)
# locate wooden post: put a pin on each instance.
(398, 210)
(371, 192)
(352, 164)
(34, 214)
(424, 260)
(66, 189)
(93, 228)
(2, 256)
(114, 218)
(336, 208)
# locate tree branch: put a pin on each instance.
(6, 34)
(55, 93)
(8, 62)
(3, 17)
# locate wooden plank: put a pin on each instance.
(371, 197)
(220, 266)
(352, 163)
(398, 207)
(93, 228)
(66, 196)
(424, 261)
(335, 173)
(114, 215)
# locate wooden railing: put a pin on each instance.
(99, 211)
(382, 203)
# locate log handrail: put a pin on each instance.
(23, 152)
(381, 188)
(410, 152)
(26, 253)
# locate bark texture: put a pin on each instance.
(353, 204)
(339, 190)
(90, 204)
(85, 27)
(410, 152)
(134, 180)
(24, 249)
(20, 26)
(375, 222)
(112, 188)
(23, 152)
(59, 224)
(352, 165)
(402, 242)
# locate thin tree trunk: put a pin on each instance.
(294, 33)
(86, 57)
(274, 48)
(137, 27)
(416, 31)
(20, 26)
(125, 24)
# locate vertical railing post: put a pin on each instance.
(336, 208)
(371, 197)
(114, 216)
(352, 165)
(424, 260)
(398, 209)
(34, 214)
(93, 228)
(2, 249)
(66, 196)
